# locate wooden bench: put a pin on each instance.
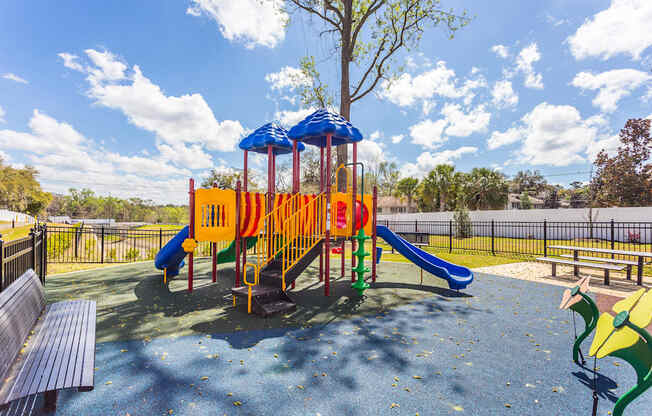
(44, 348)
(605, 267)
(628, 263)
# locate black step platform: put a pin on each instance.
(266, 300)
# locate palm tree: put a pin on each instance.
(486, 189)
(407, 187)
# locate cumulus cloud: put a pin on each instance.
(2, 114)
(65, 158)
(503, 94)
(71, 61)
(253, 22)
(500, 50)
(462, 124)
(524, 63)
(15, 78)
(428, 133)
(288, 77)
(623, 28)
(612, 85)
(174, 119)
(289, 118)
(426, 161)
(397, 138)
(439, 81)
(554, 135)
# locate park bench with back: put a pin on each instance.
(45, 348)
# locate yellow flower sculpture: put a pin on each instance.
(189, 245)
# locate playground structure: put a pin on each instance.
(288, 231)
(623, 336)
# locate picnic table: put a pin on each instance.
(640, 254)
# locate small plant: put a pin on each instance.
(132, 254)
(151, 253)
(633, 237)
(205, 249)
(462, 222)
(112, 254)
(89, 248)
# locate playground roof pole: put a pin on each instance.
(191, 229)
(213, 245)
(321, 189)
(374, 237)
(327, 284)
(355, 188)
(237, 234)
(246, 154)
(295, 170)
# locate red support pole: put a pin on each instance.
(295, 170)
(374, 237)
(237, 233)
(343, 273)
(355, 212)
(214, 245)
(298, 171)
(191, 230)
(246, 172)
(327, 285)
(321, 189)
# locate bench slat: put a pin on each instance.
(581, 264)
(73, 352)
(615, 261)
(88, 372)
(68, 336)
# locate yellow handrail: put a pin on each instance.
(269, 241)
(302, 231)
(250, 285)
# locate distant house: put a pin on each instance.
(514, 202)
(393, 205)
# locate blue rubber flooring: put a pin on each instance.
(505, 349)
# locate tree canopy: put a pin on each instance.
(20, 190)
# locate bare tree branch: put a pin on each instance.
(377, 4)
(316, 12)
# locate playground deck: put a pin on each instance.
(500, 347)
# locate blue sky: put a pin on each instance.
(132, 101)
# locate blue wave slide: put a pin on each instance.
(172, 254)
(458, 277)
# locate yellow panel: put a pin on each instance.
(627, 303)
(341, 228)
(215, 214)
(641, 315)
(603, 329)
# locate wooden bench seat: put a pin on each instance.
(47, 348)
(603, 266)
(628, 263)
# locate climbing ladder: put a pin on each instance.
(290, 239)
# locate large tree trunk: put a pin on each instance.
(345, 93)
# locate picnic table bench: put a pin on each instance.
(44, 348)
(639, 264)
(576, 264)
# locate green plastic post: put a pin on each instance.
(588, 310)
(360, 285)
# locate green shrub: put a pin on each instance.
(151, 253)
(462, 223)
(132, 254)
(89, 248)
(112, 254)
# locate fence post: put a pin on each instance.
(2, 263)
(612, 237)
(545, 238)
(102, 243)
(76, 240)
(415, 226)
(45, 251)
(492, 238)
(33, 235)
(160, 239)
(450, 236)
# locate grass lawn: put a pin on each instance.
(160, 227)
(15, 233)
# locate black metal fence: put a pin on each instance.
(17, 256)
(525, 238)
(103, 244)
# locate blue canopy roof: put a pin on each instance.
(313, 129)
(270, 133)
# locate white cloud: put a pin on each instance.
(612, 85)
(289, 118)
(463, 125)
(503, 94)
(428, 133)
(2, 114)
(609, 144)
(288, 77)
(499, 139)
(500, 50)
(254, 22)
(192, 156)
(66, 158)
(14, 77)
(70, 61)
(524, 63)
(397, 138)
(438, 81)
(426, 161)
(370, 151)
(553, 135)
(4, 157)
(175, 120)
(623, 28)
